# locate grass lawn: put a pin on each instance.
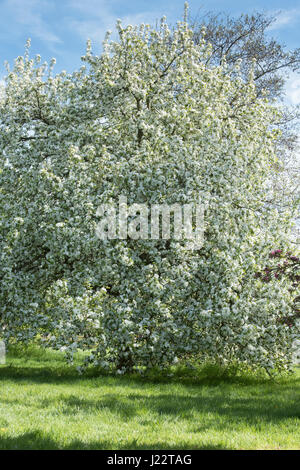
(47, 405)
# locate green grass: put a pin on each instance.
(46, 405)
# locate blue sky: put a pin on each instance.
(59, 28)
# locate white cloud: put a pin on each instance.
(28, 14)
(285, 17)
(92, 29)
(98, 17)
(293, 88)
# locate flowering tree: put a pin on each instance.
(147, 119)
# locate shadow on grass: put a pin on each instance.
(258, 410)
(49, 366)
(250, 410)
(39, 372)
(36, 440)
(204, 402)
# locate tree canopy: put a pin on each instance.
(150, 120)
